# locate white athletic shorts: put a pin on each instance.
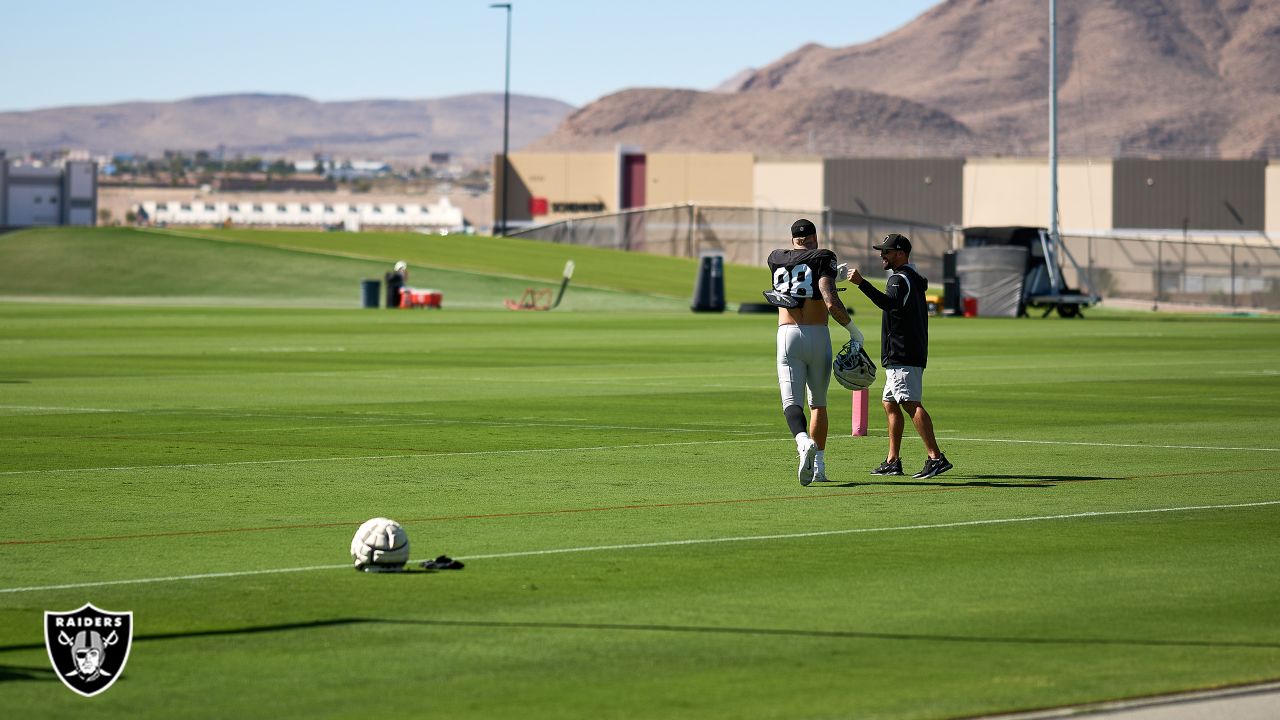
(804, 363)
(903, 384)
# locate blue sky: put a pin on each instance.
(83, 52)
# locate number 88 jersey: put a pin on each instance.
(795, 275)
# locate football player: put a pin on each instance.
(804, 291)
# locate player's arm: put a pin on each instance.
(830, 296)
(827, 287)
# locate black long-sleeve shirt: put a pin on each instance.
(904, 323)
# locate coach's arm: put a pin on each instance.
(895, 288)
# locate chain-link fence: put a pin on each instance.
(1238, 273)
(852, 236)
(1243, 274)
(745, 235)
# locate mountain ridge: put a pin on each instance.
(278, 124)
(1138, 77)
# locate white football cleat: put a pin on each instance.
(808, 450)
(820, 476)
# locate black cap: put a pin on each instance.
(803, 228)
(894, 241)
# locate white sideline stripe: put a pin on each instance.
(408, 423)
(175, 578)
(500, 423)
(666, 543)
(412, 456)
(370, 420)
(59, 408)
(1115, 445)
(1241, 701)
(854, 531)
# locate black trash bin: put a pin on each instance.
(369, 292)
(708, 293)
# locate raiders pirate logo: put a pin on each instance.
(88, 647)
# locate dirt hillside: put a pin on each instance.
(1185, 78)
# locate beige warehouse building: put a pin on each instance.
(1011, 191)
(1273, 199)
(549, 187)
(1095, 195)
(1202, 230)
(787, 183)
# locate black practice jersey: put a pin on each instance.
(904, 325)
(795, 275)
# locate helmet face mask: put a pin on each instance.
(853, 368)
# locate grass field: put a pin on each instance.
(191, 428)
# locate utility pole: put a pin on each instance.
(506, 119)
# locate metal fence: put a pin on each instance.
(1243, 274)
(745, 235)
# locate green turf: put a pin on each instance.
(595, 267)
(1134, 458)
(315, 269)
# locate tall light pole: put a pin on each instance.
(506, 118)
(1053, 123)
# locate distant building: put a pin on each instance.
(360, 169)
(65, 194)
(440, 216)
(1112, 195)
(276, 184)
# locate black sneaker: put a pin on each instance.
(933, 466)
(889, 467)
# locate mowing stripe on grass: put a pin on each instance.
(669, 543)
(605, 508)
(407, 456)
(489, 516)
(363, 424)
(412, 456)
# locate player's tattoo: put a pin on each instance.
(827, 286)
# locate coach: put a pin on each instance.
(904, 352)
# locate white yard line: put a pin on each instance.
(1244, 702)
(411, 456)
(853, 531)
(363, 423)
(51, 409)
(365, 420)
(1114, 445)
(406, 456)
(668, 543)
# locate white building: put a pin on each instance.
(359, 169)
(441, 216)
(64, 194)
